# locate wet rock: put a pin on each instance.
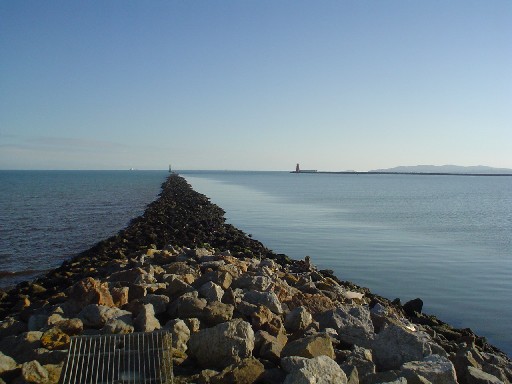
(247, 371)
(33, 372)
(37, 322)
(146, 320)
(435, 368)
(136, 292)
(298, 319)
(317, 370)
(413, 307)
(176, 286)
(310, 346)
(222, 345)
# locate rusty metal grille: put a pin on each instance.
(144, 358)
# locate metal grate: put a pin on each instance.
(144, 358)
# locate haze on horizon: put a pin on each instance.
(255, 85)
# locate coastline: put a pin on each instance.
(182, 233)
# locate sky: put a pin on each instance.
(255, 85)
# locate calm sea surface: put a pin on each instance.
(446, 239)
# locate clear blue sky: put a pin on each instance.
(257, 85)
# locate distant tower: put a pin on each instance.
(297, 168)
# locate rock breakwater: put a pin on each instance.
(238, 312)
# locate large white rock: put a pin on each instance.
(318, 370)
(435, 368)
(222, 345)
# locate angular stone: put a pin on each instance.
(37, 322)
(353, 324)
(223, 279)
(7, 363)
(146, 320)
(72, 326)
(318, 370)
(96, 316)
(186, 307)
(180, 268)
(159, 302)
(129, 275)
(211, 291)
(310, 346)
(180, 334)
(217, 312)
(394, 345)
(33, 372)
(55, 338)
(91, 291)
(120, 295)
(413, 307)
(222, 345)
(435, 368)
(269, 347)
(176, 286)
(120, 325)
(297, 319)
(477, 376)
(247, 371)
(268, 299)
(254, 283)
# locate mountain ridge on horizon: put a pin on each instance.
(448, 168)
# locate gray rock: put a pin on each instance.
(211, 291)
(395, 345)
(269, 347)
(255, 283)
(310, 346)
(435, 368)
(96, 316)
(159, 302)
(217, 312)
(187, 307)
(477, 376)
(120, 325)
(146, 320)
(37, 322)
(353, 324)
(318, 370)
(222, 345)
(33, 372)
(7, 363)
(268, 299)
(180, 334)
(298, 319)
(176, 286)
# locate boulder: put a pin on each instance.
(247, 371)
(121, 325)
(146, 320)
(477, 376)
(90, 291)
(120, 295)
(269, 347)
(267, 299)
(353, 324)
(33, 372)
(129, 275)
(217, 312)
(222, 345)
(310, 346)
(72, 326)
(55, 338)
(395, 345)
(413, 307)
(211, 291)
(297, 319)
(96, 316)
(317, 370)
(159, 302)
(435, 368)
(187, 307)
(254, 283)
(223, 279)
(7, 363)
(180, 334)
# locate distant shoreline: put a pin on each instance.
(405, 173)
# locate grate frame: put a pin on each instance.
(133, 358)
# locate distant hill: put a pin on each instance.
(445, 169)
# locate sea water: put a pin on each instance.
(445, 239)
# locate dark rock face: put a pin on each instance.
(413, 308)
